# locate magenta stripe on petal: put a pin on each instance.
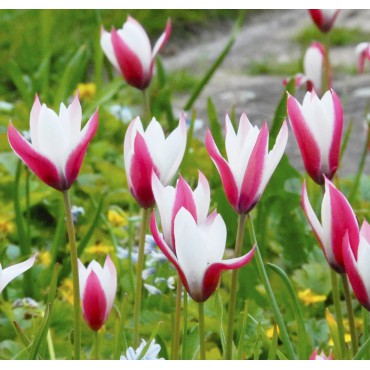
(94, 303)
(75, 159)
(141, 173)
(249, 196)
(130, 64)
(342, 219)
(355, 279)
(39, 164)
(334, 152)
(213, 273)
(308, 146)
(227, 177)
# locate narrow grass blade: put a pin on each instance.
(274, 344)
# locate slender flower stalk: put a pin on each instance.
(350, 313)
(139, 273)
(75, 277)
(270, 295)
(176, 325)
(233, 289)
(202, 336)
(96, 345)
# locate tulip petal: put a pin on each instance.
(249, 195)
(307, 143)
(141, 170)
(130, 64)
(94, 302)
(213, 272)
(354, 274)
(202, 198)
(76, 157)
(110, 282)
(38, 163)
(365, 231)
(34, 117)
(107, 46)
(223, 167)
(11, 272)
(162, 39)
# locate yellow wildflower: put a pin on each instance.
(86, 90)
(270, 331)
(308, 297)
(99, 248)
(44, 258)
(347, 339)
(66, 290)
(6, 226)
(358, 323)
(117, 219)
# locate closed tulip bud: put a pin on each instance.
(362, 53)
(356, 256)
(11, 272)
(324, 18)
(130, 52)
(148, 151)
(249, 165)
(321, 356)
(317, 125)
(337, 219)
(58, 145)
(97, 291)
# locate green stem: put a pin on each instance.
(202, 338)
(326, 68)
(50, 346)
(233, 288)
(338, 312)
(74, 264)
(147, 106)
(176, 329)
(139, 271)
(365, 319)
(96, 345)
(350, 313)
(270, 295)
(185, 331)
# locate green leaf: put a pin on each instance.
(242, 331)
(362, 351)
(19, 81)
(215, 125)
(220, 312)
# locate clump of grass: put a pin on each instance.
(271, 67)
(338, 36)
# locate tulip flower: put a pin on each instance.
(362, 53)
(321, 356)
(318, 125)
(58, 144)
(170, 200)
(337, 218)
(148, 151)
(130, 52)
(324, 18)
(11, 272)
(250, 165)
(356, 256)
(199, 251)
(97, 290)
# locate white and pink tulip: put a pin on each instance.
(324, 18)
(58, 145)
(249, 165)
(130, 52)
(363, 54)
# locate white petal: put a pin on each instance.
(107, 46)
(363, 261)
(313, 66)
(326, 220)
(202, 198)
(11, 272)
(109, 282)
(190, 250)
(82, 277)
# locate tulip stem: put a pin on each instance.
(350, 313)
(365, 319)
(147, 107)
(233, 288)
(185, 331)
(338, 312)
(270, 294)
(326, 70)
(176, 329)
(96, 345)
(202, 338)
(139, 272)
(76, 286)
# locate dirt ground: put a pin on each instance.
(267, 36)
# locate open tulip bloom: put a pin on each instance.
(357, 260)
(130, 52)
(170, 200)
(58, 145)
(148, 151)
(324, 18)
(198, 252)
(249, 164)
(317, 125)
(97, 291)
(337, 218)
(11, 272)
